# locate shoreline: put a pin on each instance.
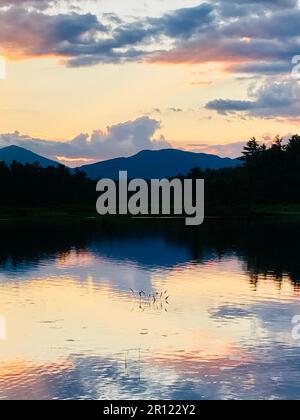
(67, 214)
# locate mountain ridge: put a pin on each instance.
(150, 164)
(146, 164)
(12, 153)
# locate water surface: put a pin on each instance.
(150, 312)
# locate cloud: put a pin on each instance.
(240, 8)
(39, 34)
(215, 47)
(34, 4)
(82, 39)
(184, 22)
(262, 67)
(233, 150)
(227, 106)
(176, 110)
(271, 100)
(123, 139)
(237, 33)
(261, 34)
(139, 39)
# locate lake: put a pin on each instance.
(149, 310)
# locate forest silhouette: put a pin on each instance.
(267, 176)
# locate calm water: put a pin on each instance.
(81, 320)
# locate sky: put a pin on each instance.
(90, 80)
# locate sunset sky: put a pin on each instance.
(90, 80)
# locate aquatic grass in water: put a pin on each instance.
(154, 300)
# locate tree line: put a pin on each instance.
(267, 176)
(31, 185)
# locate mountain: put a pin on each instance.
(21, 155)
(146, 164)
(157, 164)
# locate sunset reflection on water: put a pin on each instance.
(83, 324)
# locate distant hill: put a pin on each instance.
(146, 164)
(21, 155)
(157, 164)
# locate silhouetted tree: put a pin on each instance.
(252, 151)
(32, 185)
(266, 176)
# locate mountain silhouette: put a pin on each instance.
(157, 164)
(21, 155)
(146, 164)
